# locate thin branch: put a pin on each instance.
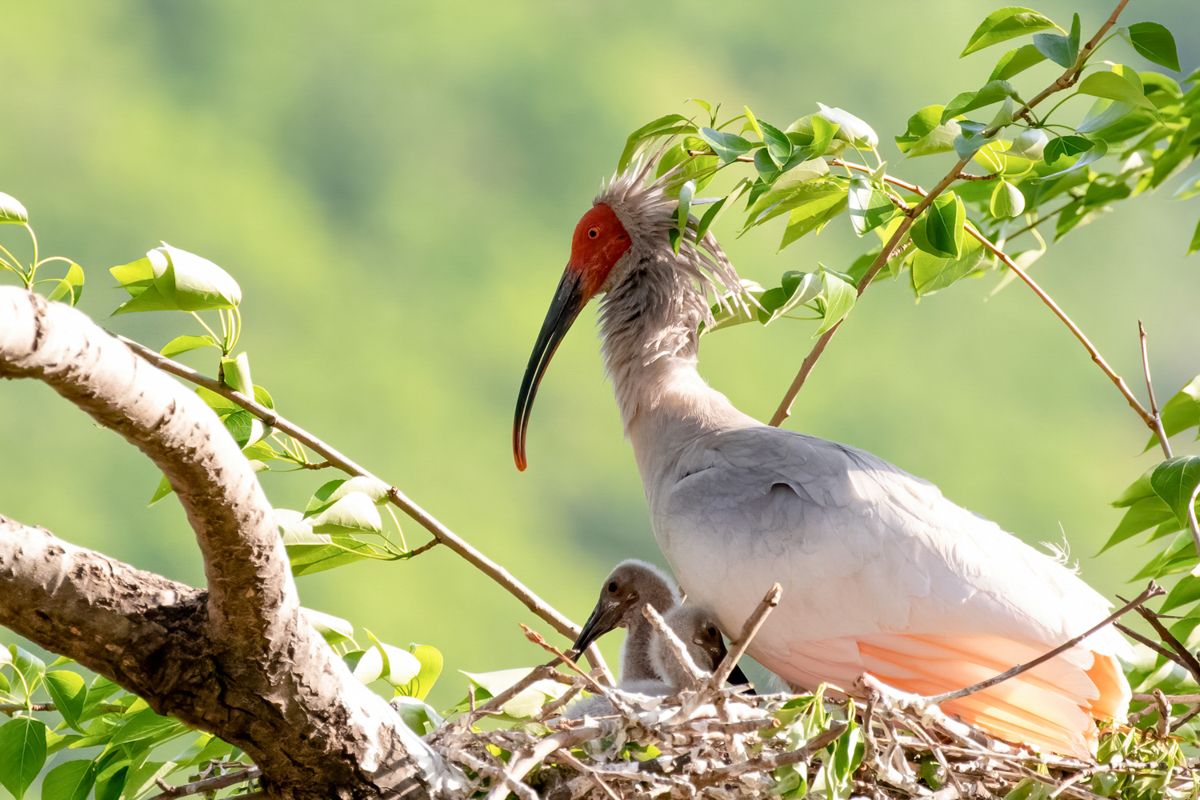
(208, 785)
(16, 708)
(1153, 645)
(1155, 417)
(1186, 658)
(1153, 590)
(1064, 81)
(749, 631)
(444, 535)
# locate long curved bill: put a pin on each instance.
(568, 301)
(606, 616)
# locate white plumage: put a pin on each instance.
(880, 573)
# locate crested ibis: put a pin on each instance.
(631, 586)
(881, 574)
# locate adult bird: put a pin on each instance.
(881, 574)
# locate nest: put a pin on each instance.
(712, 741)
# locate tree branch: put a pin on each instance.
(238, 660)
(443, 534)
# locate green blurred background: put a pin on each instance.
(395, 184)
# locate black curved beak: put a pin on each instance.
(568, 302)
(606, 616)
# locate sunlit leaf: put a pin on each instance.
(838, 298)
(926, 135)
(528, 701)
(72, 780)
(11, 211)
(70, 285)
(850, 127)
(1007, 200)
(727, 146)
(941, 227)
(819, 207)
(669, 125)
(869, 205)
(1005, 24)
(992, 92)
(22, 753)
(353, 513)
(69, 693)
(334, 630)
(1114, 87)
(1176, 481)
(184, 344)
(170, 279)
(1016, 61)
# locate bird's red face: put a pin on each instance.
(598, 244)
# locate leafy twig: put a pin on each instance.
(1064, 81)
(443, 534)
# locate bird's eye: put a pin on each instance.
(712, 632)
(593, 233)
(612, 586)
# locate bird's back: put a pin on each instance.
(881, 574)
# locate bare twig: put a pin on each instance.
(1153, 645)
(749, 631)
(1185, 656)
(496, 703)
(1155, 417)
(1153, 590)
(674, 644)
(443, 534)
(518, 768)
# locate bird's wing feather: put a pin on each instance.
(861, 546)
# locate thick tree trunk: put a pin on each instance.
(238, 660)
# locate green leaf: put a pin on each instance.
(1007, 200)
(1030, 144)
(1177, 481)
(820, 206)
(727, 146)
(932, 273)
(869, 205)
(416, 714)
(1005, 24)
(926, 135)
(1155, 43)
(335, 490)
(838, 298)
(71, 284)
(850, 127)
(1114, 86)
(752, 121)
(814, 194)
(184, 344)
(334, 630)
(797, 289)
(527, 702)
(1181, 412)
(431, 667)
(669, 125)
(170, 279)
(28, 669)
(1015, 62)
(354, 513)
(1143, 514)
(70, 781)
(682, 211)
(11, 211)
(164, 489)
(1194, 245)
(1062, 50)
(1102, 114)
(942, 226)
(244, 427)
(146, 724)
(22, 753)
(778, 144)
(69, 693)
(141, 779)
(1185, 592)
(992, 92)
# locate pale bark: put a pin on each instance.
(238, 660)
